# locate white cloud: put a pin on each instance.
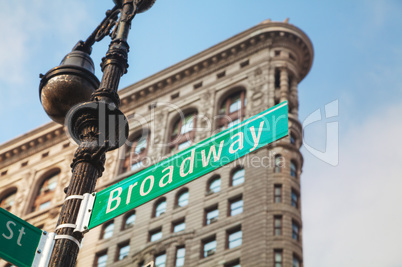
(352, 213)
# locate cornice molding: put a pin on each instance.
(264, 35)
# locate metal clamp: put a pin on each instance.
(73, 197)
(69, 237)
(44, 250)
(66, 225)
(85, 212)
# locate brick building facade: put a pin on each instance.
(246, 213)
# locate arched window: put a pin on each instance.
(182, 198)
(46, 191)
(8, 200)
(238, 177)
(107, 230)
(183, 132)
(292, 138)
(160, 207)
(214, 185)
(232, 110)
(278, 164)
(136, 153)
(129, 220)
(293, 168)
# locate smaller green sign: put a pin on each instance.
(18, 239)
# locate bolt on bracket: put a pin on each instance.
(85, 212)
(44, 250)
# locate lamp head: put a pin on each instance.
(67, 85)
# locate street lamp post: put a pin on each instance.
(72, 94)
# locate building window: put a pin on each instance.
(211, 215)
(182, 198)
(277, 79)
(155, 235)
(180, 254)
(160, 207)
(8, 201)
(292, 139)
(107, 230)
(46, 192)
(278, 225)
(234, 238)
(278, 258)
(178, 226)
(160, 260)
(238, 177)
(293, 169)
(232, 110)
(296, 261)
(124, 249)
(183, 132)
(208, 247)
(278, 193)
(236, 206)
(295, 199)
(101, 259)
(278, 164)
(235, 263)
(129, 220)
(214, 186)
(136, 153)
(295, 231)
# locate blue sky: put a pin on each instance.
(351, 213)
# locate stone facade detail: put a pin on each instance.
(267, 62)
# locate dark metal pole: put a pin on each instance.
(97, 126)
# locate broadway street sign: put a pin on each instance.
(18, 239)
(191, 163)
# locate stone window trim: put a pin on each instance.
(107, 229)
(176, 223)
(295, 198)
(156, 205)
(293, 168)
(225, 117)
(279, 163)
(209, 210)
(132, 156)
(176, 139)
(297, 261)
(126, 223)
(278, 257)
(98, 256)
(233, 173)
(229, 232)
(204, 245)
(278, 193)
(296, 229)
(177, 258)
(153, 232)
(180, 198)
(212, 184)
(8, 198)
(278, 225)
(45, 189)
(232, 201)
(120, 246)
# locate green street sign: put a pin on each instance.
(191, 163)
(18, 239)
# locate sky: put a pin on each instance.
(352, 161)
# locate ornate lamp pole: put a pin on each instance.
(71, 93)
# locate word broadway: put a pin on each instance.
(191, 163)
